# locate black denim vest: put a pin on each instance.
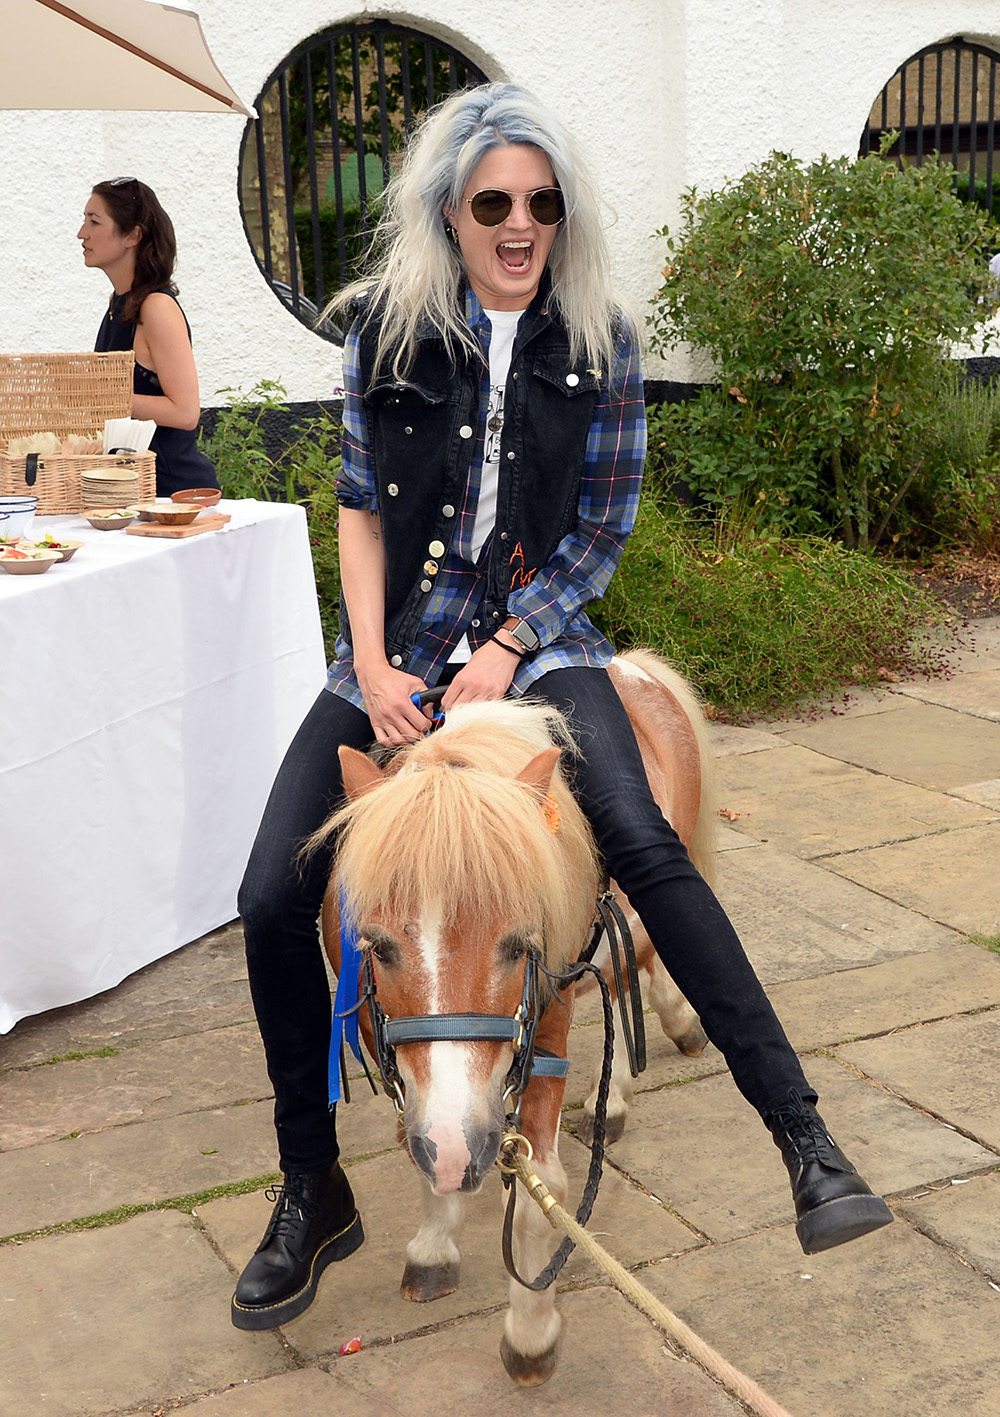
(422, 432)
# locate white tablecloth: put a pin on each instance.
(148, 689)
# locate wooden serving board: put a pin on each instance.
(206, 521)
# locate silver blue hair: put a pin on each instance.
(417, 269)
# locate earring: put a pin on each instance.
(452, 233)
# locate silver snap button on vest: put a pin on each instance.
(436, 548)
(407, 430)
(475, 624)
(503, 536)
(425, 585)
(396, 661)
(510, 457)
(572, 380)
(392, 490)
(465, 431)
(448, 510)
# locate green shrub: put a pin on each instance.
(825, 295)
(355, 242)
(762, 623)
(960, 499)
(304, 470)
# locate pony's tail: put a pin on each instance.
(703, 841)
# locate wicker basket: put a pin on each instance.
(64, 394)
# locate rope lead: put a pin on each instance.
(735, 1382)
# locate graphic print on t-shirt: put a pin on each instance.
(494, 424)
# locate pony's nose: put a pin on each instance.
(484, 1151)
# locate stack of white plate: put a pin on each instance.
(110, 487)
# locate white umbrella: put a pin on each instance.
(109, 54)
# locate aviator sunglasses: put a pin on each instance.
(492, 205)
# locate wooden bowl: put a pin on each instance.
(101, 521)
(31, 566)
(197, 496)
(64, 549)
(180, 514)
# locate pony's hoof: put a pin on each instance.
(424, 1282)
(527, 1370)
(614, 1128)
(693, 1042)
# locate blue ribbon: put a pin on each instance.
(345, 1024)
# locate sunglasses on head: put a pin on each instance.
(492, 205)
(121, 181)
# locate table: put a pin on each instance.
(148, 689)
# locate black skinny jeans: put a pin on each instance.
(281, 896)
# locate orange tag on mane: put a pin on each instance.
(551, 809)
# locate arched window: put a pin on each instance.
(944, 100)
(334, 118)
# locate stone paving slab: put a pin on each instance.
(921, 743)
(890, 1326)
(986, 793)
(729, 739)
(362, 1295)
(809, 804)
(857, 1002)
(976, 694)
(302, 1393)
(195, 989)
(160, 1079)
(133, 1165)
(107, 1319)
(965, 1216)
(702, 1150)
(612, 1360)
(665, 1067)
(798, 920)
(950, 877)
(949, 1067)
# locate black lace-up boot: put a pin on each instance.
(833, 1204)
(314, 1222)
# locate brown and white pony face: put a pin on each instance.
(456, 858)
(454, 1091)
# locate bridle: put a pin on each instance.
(519, 1029)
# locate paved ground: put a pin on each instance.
(860, 855)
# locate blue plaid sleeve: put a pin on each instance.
(585, 560)
(356, 486)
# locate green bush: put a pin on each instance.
(303, 471)
(961, 492)
(826, 295)
(764, 623)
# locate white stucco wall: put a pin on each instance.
(665, 94)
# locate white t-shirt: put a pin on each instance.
(504, 323)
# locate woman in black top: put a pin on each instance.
(127, 235)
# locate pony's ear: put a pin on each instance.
(538, 773)
(360, 773)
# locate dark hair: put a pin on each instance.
(131, 203)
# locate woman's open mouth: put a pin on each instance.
(515, 256)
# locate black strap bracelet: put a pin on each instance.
(509, 648)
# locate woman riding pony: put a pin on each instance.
(494, 439)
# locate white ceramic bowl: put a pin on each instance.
(19, 513)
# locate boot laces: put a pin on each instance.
(803, 1133)
(291, 1209)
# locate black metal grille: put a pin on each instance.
(333, 121)
(944, 100)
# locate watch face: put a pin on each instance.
(525, 635)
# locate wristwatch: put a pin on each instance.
(522, 632)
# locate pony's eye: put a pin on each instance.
(383, 947)
(512, 947)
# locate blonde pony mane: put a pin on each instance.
(450, 828)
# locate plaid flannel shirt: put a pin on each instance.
(579, 569)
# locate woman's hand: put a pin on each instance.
(487, 675)
(386, 692)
